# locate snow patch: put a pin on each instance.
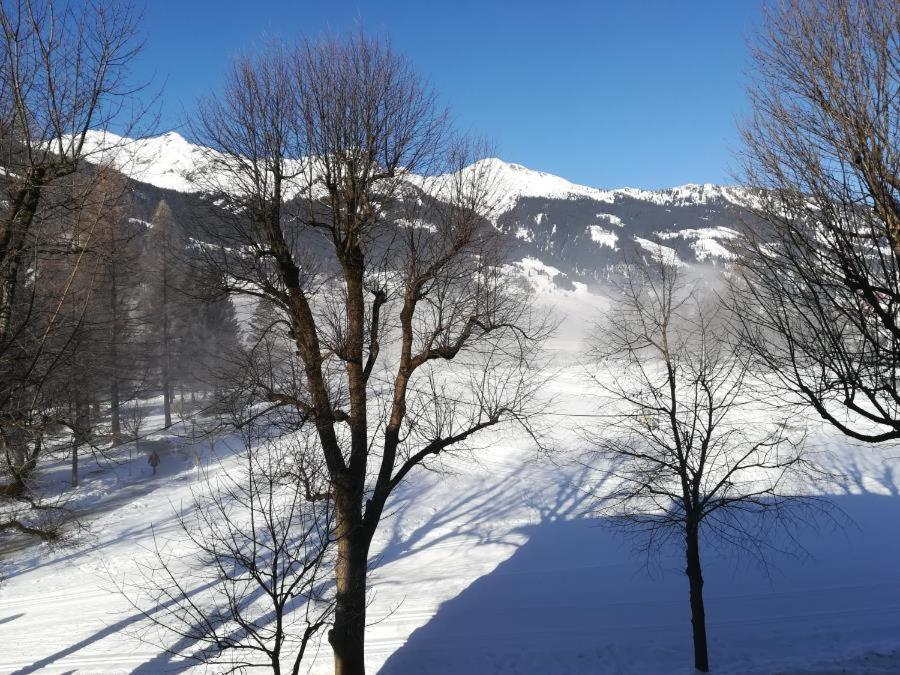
(417, 224)
(611, 219)
(704, 241)
(659, 252)
(602, 236)
(524, 233)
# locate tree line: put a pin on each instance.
(347, 211)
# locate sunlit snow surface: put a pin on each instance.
(496, 567)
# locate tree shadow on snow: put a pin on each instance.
(573, 599)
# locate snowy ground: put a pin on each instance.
(494, 568)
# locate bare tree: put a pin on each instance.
(356, 221)
(133, 416)
(162, 301)
(63, 73)
(252, 588)
(820, 268)
(117, 321)
(694, 459)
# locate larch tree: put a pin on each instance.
(165, 253)
(117, 291)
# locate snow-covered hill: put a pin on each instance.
(495, 566)
(580, 230)
(169, 161)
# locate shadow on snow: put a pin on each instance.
(573, 599)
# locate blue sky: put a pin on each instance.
(644, 93)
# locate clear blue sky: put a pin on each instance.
(608, 93)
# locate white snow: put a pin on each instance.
(687, 195)
(704, 241)
(524, 233)
(166, 161)
(417, 224)
(611, 219)
(496, 565)
(602, 236)
(543, 279)
(659, 252)
(169, 161)
(172, 162)
(512, 182)
(710, 248)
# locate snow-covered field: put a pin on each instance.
(497, 567)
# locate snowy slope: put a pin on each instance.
(496, 567)
(580, 230)
(512, 182)
(169, 161)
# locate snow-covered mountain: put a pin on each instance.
(167, 161)
(577, 229)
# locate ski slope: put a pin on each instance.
(496, 566)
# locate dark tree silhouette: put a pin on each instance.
(405, 337)
(694, 458)
(252, 587)
(820, 265)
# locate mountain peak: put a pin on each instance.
(168, 159)
(165, 160)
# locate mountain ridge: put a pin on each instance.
(579, 230)
(161, 160)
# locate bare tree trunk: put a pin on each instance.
(13, 444)
(31, 464)
(166, 379)
(165, 245)
(115, 422)
(81, 434)
(16, 450)
(74, 464)
(12, 238)
(698, 614)
(347, 637)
